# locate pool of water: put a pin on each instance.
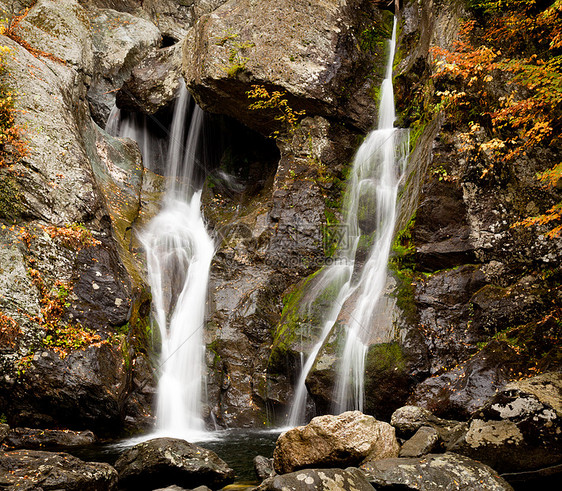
(236, 447)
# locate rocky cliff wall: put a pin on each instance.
(460, 275)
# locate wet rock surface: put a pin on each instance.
(34, 470)
(270, 226)
(312, 54)
(519, 429)
(458, 392)
(344, 440)
(52, 388)
(434, 472)
(322, 479)
(166, 461)
(35, 439)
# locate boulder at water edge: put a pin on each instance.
(165, 461)
(33, 438)
(263, 467)
(34, 469)
(434, 472)
(318, 479)
(335, 441)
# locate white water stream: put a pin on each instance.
(375, 178)
(179, 252)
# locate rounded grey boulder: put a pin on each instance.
(163, 462)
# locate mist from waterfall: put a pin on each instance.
(179, 251)
(372, 190)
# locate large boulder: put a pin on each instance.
(120, 41)
(165, 461)
(308, 49)
(153, 83)
(61, 29)
(434, 472)
(32, 438)
(318, 479)
(335, 441)
(35, 470)
(55, 184)
(520, 428)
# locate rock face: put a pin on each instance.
(120, 41)
(344, 440)
(322, 479)
(153, 82)
(33, 469)
(434, 472)
(520, 428)
(308, 49)
(165, 461)
(274, 239)
(54, 193)
(459, 392)
(31, 439)
(93, 380)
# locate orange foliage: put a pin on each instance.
(73, 236)
(9, 330)
(265, 100)
(515, 44)
(12, 145)
(10, 31)
(61, 337)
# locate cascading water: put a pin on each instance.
(376, 174)
(179, 252)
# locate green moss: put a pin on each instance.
(403, 249)
(385, 357)
(303, 315)
(213, 347)
(11, 206)
(402, 266)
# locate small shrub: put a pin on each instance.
(74, 236)
(275, 101)
(9, 331)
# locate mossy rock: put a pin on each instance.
(387, 379)
(11, 206)
(303, 317)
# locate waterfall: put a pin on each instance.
(375, 178)
(179, 251)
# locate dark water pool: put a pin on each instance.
(236, 447)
